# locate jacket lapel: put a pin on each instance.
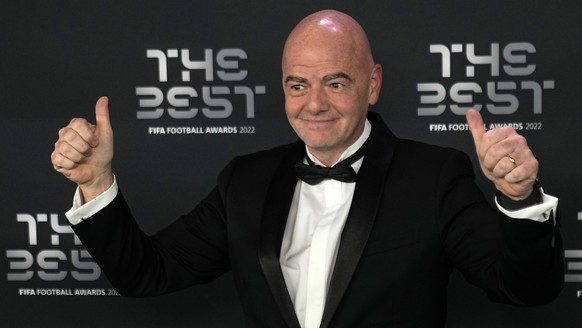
(274, 219)
(366, 201)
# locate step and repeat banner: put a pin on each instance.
(194, 83)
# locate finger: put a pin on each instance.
(82, 129)
(501, 143)
(504, 167)
(70, 152)
(102, 115)
(476, 126)
(72, 136)
(520, 175)
(61, 162)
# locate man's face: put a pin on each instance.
(328, 90)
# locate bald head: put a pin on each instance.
(334, 30)
(329, 79)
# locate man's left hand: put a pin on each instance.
(505, 157)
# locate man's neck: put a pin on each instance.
(331, 158)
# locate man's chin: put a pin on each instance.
(321, 147)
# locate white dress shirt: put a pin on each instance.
(312, 236)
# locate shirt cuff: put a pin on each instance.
(540, 212)
(80, 211)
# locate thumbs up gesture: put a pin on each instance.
(505, 157)
(83, 152)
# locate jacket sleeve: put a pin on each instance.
(514, 261)
(191, 250)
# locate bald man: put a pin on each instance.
(349, 226)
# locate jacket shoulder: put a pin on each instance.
(263, 164)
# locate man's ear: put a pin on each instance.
(375, 84)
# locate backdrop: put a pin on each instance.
(193, 83)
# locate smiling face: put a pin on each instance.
(329, 80)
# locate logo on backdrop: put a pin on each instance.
(496, 78)
(50, 254)
(190, 85)
(573, 259)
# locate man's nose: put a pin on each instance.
(318, 101)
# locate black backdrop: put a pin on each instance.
(518, 60)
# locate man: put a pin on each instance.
(374, 250)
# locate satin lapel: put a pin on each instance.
(273, 223)
(365, 203)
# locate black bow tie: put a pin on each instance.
(313, 174)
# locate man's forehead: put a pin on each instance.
(324, 59)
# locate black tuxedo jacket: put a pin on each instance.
(416, 214)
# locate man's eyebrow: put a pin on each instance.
(339, 75)
(292, 78)
(327, 78)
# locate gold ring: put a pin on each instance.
(512, 160)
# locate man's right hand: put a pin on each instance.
(83, 152)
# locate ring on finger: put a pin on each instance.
(512, 160)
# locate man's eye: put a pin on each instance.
(336, 85)
(297, 87)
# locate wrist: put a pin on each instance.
(535, 197)
(90, 191)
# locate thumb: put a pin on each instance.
(102, 115)
(476, 126)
